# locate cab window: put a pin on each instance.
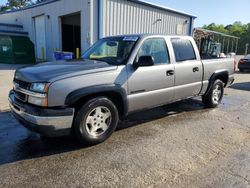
(183, 50)
(156, 48)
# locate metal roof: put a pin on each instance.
(215, 32)
(135, 1)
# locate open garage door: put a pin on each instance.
(71, 32)
(40, 36)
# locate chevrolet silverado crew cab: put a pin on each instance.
(116, 76)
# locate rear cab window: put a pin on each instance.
(183, 50)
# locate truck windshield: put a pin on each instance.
(113, 50)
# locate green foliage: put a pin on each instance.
(17, 4)
(214, 27)
(236, 29)
(4, 8)
(39, 1)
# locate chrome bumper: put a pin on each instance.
(46, 124)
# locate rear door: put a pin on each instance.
(188, 69)
(154, 85)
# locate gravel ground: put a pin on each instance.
(178, 145)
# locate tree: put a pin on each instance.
(4, 8)
(214, 27)
(17, 4)
(39, 1)
(236, 29)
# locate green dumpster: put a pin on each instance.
(16, 50)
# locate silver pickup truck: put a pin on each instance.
(116, 76)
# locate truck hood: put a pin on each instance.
(52, 71)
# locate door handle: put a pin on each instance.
(170, 72)
(196, 69)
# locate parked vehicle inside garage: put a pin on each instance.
(117, 76)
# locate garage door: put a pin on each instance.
(40, 36)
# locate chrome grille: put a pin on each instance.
(22, 84)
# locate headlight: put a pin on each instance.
(39, 96)
(38, 101)
(39, 87)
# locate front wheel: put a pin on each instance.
(213, 98)
(96, 121)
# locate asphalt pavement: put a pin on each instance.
(177, 145)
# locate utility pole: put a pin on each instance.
(236, 48)
(246, 51)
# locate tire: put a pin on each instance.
(213, 98)
(96, 121)
(241, 70)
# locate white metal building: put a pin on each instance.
(69, 24)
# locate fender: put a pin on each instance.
(76, 95)
(217, 74)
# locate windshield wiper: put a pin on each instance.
(108, 60)
(101, 59)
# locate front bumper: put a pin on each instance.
(48, 122)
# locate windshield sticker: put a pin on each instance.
(134, 39)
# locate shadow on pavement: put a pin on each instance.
(245, 72)
(245, 86)
(17, 143)
(161, 112)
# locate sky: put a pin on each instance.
(208, 11)
(2, 2)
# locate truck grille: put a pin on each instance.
(19, 95)
(22, 84)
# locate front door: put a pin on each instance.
(151, 86)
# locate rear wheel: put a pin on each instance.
(213, 98)
(96, 121)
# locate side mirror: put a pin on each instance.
(145, 61)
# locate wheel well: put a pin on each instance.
(115, 97)
(223, 77)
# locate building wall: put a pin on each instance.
(139, 18)
(116, 17)
(53, 12)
